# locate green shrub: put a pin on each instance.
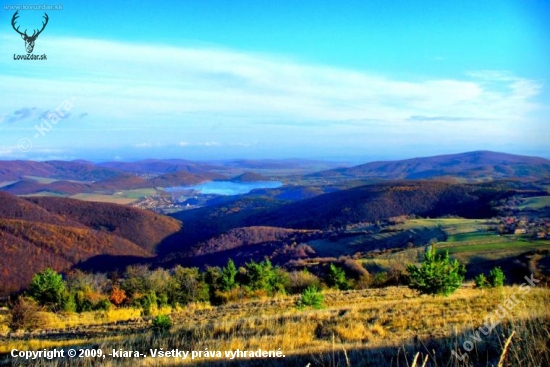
(162, 324)
(146, 303)
(264, 276)
(68, 303)
(82, 302)
(481, 281)
(162, 300)
(47, 288)
(190, 285)
(336, 278)
(496, 277)
(380, 279)
(103, 305)
(311, 297)
(437, 274)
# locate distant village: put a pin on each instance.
(166, 203)
(522, 225)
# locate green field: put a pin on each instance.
(498, 246)
(444, 222)
(473, 238)
(536, 202)
(449, 225)
(423, 230)
(468, 240)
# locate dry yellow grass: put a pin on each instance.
(68, 320)
(370, 325)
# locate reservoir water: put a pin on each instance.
(227, 187)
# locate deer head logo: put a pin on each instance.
(29, 40)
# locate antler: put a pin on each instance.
(34, 35)
(15, 16)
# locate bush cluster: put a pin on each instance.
(495, 279)
(151, 290)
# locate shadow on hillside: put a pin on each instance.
(515, 267)
(109, 263)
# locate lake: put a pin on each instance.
(227, 187)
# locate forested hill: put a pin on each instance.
(37, 233)
(471, 167)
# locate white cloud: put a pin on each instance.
(6, 152)
(123, 80)
(163, 92)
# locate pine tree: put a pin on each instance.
(336, 278)
(437, 274)
(228, 276)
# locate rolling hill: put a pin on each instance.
(182, 178)
(74, 170)
(470, 167)
(29, 186)
(160, 166)
(144, 228)
(59, 232)
(368, 203)
(36, 233)
(249, 177)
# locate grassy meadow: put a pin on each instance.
(372, 327)
(536, 202)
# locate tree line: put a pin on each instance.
(147, 289)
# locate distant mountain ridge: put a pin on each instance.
(470, 166)
(19, 177)
(66, 170)
(249, 177)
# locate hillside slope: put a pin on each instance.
(29, 186)
(36, 233)
(142, 227)
(471, 166)
(367, 203)
(13, 207)
(28, 247)
(75, 170)
(370, 203)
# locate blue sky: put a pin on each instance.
(355, 80)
